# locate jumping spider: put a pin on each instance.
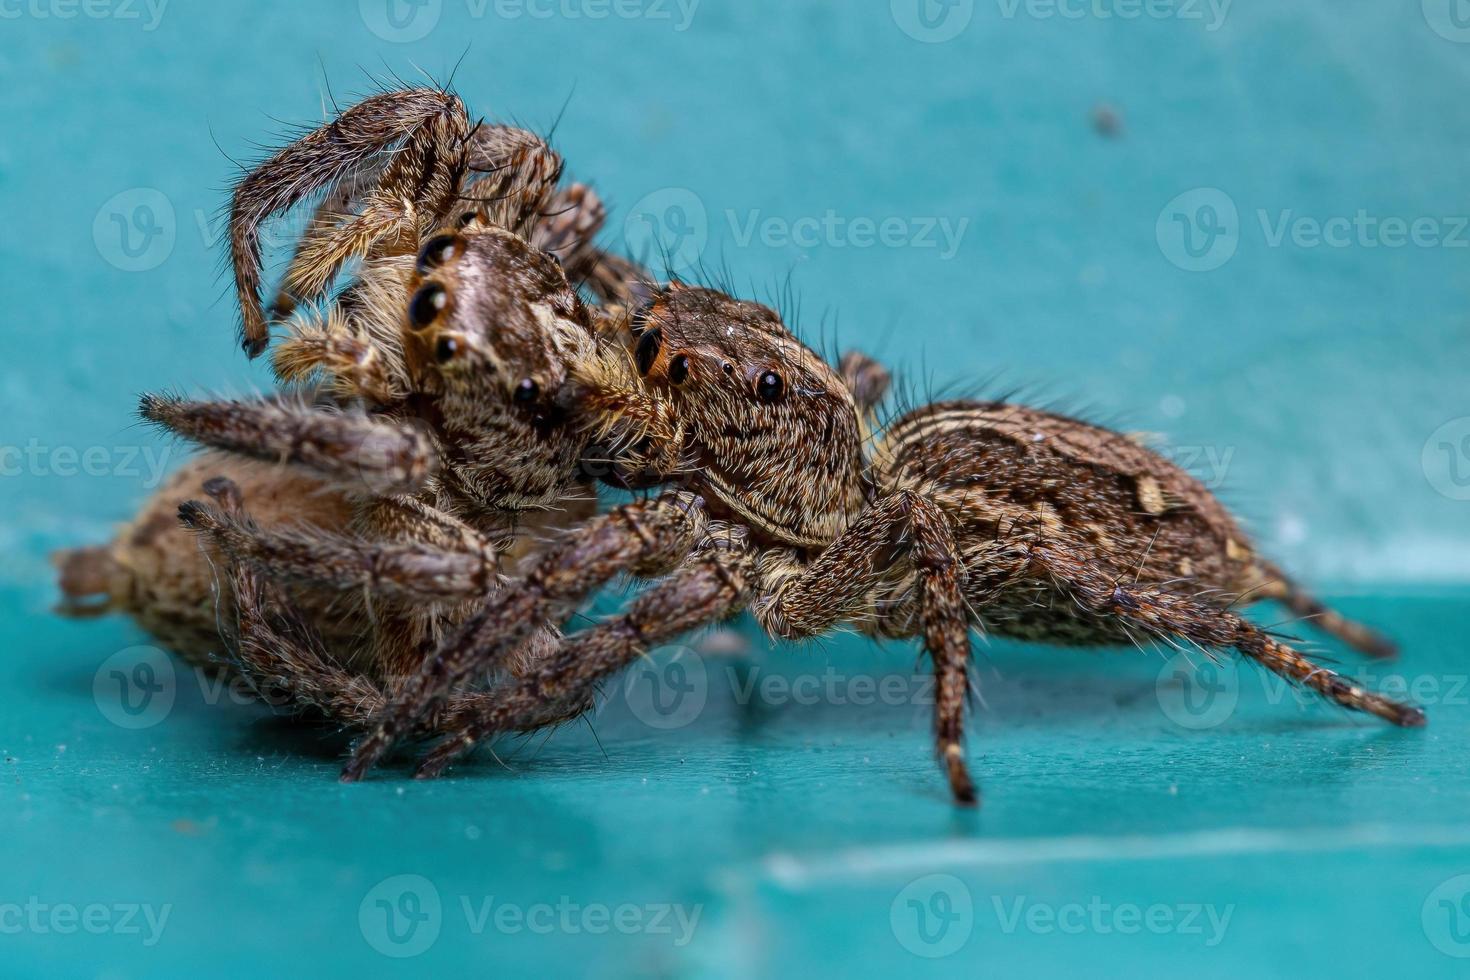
(411, 478)
(966, 515)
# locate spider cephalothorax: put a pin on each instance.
(969, 515)
(390, 169)
(721, 393)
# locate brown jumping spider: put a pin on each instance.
(417, 461)
(966, 515)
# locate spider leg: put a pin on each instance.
(646, 538)
(946, 623)
(568, 230)
(286, 659)
(867, 380)
(516, 178)
(327, 345)
(407, 571)
(806, 601)
(431, 125)
(388, 222)
(711, 586)
(352, 449)
(1363, 639)
(1163, 613)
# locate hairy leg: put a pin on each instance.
(286, 659)
(328, 345)
(515, 175)
(812, 599)
(645, 538)
(1161, 613)
(1365, 640)
(320, 160)
(414, 568)
(710, 587)
(353, 450)
(867, 380)
(946, 623)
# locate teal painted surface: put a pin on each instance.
(1321, 385)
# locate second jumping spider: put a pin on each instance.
(966, 515)
(423, 453)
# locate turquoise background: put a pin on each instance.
(1322, 386)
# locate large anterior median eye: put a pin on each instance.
(647, 351)
(426, 304)
(769, 386)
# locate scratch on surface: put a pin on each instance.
(794, 872)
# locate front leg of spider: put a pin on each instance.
(415, 128)
(350, 450)
(645, 538)
(715, 584)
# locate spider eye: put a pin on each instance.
(769, 387)
(647, 351)
(437, 251)
(466, 218)
(427, 304)
(679, 369)
(527, 391)
(446, 349)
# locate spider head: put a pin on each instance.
(490, 330)
(767, 428)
